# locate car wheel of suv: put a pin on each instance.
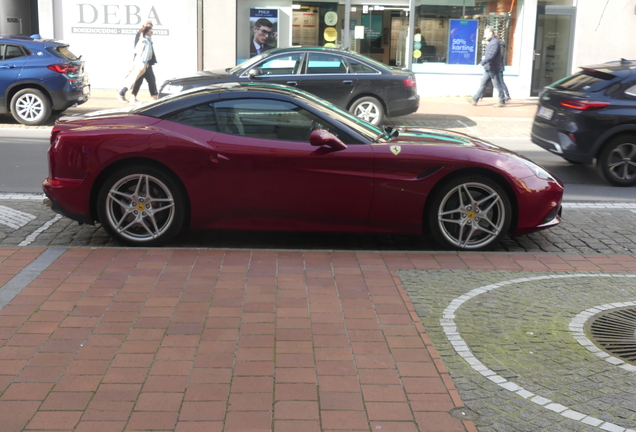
(617, 162)
(30, 107)
(368, 109)
(469, 213)
(141, 206)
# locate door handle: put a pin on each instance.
(347, 82)
(292, 83)
(7, 67)
(216, 157)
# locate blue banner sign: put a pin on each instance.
(462, 43)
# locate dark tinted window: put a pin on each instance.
(270, 119)
(357, 67)
(62, 51)
(202, 117)
(585, 81)
(325, 64)
(13, 51)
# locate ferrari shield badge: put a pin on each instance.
(396, 150)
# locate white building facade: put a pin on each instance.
(439, 40)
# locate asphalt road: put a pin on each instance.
(23, 160)
(23, 166)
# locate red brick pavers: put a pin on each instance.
(202, 340)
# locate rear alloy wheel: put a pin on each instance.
(618, 161)
(141, 206)
(469, 213)
(30, 107)
(368, 109)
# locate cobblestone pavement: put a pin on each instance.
(519, 332)
(585, 229)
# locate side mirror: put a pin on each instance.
(321, 137)
(253, 73)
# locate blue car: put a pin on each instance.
(39, 77)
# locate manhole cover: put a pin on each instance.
(615, 333)
(464, 413)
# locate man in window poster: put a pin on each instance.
(263, 23)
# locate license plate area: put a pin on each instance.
(545, 113)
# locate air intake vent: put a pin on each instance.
(615, 333)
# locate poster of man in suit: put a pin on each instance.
(264, 23)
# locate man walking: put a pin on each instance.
(493, 65)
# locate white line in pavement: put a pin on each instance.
(463, 350)
(577, 205)
(14, 218)
(21, 196)
(472, 131)
(31, 237)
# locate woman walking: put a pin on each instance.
(141, 62)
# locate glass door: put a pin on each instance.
(552, 46)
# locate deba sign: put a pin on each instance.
(103, 32)
(108, 18)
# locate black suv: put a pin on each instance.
(591, 115)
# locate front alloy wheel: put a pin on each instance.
(141, 206)
(470, 213)
(618, 161)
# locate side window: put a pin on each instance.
(631, 91)
(2, 47)
(13, 51)
(282, 65)
(202, 117)
(357, 67)
(326, 64)
(270, 119)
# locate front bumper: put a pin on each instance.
(540, 205)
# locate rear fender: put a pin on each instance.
(609, 134)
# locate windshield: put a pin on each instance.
(247, 64)
(370, 132)
(63, 52)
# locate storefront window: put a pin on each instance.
(316, 24)
(454, 34)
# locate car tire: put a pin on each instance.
(617, 162)
(368, 109)
(30, 107)
(141, 206)
(469, 213)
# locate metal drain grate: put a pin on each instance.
(615, 333)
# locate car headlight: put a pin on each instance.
(537, 170)
(172, 89)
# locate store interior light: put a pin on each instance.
(365, 9)
(379, 8)
(353, 8)
(295, 6)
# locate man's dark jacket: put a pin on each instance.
(492, 57)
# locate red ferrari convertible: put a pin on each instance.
(271, 157)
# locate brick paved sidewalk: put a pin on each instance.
(191, 340)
